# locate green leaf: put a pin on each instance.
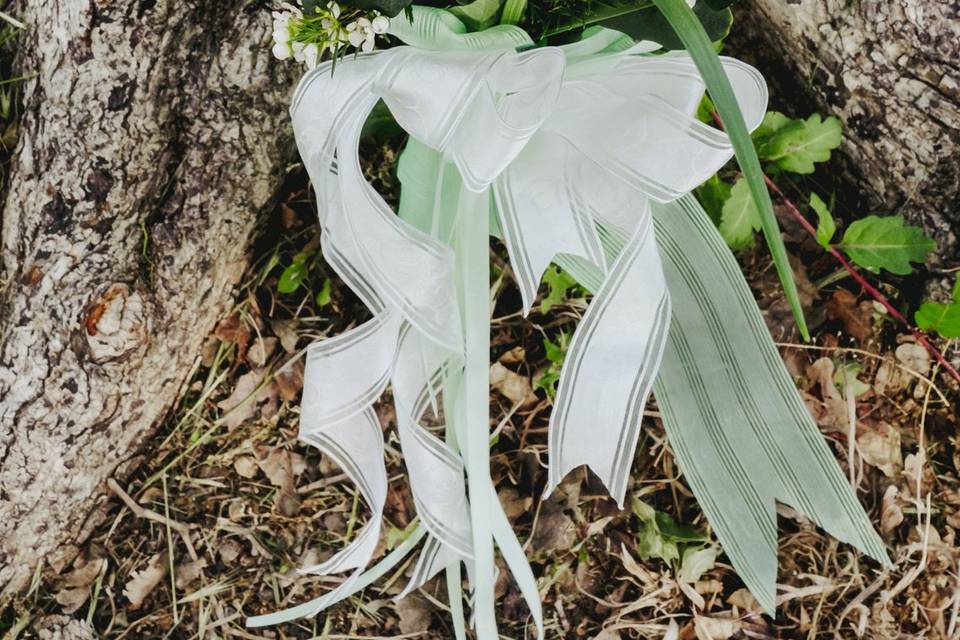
(390, 8)
(381, 124)
(294, 275)
(650, 24)
(846, 373)
(795, 145)
(676, 532)
(877, 243)
(477, 15)
(323, 298)
(713, 194)
(701, 50)
(706, 109)
(557, 284)
(826, 226)
(650, 542)
(660, 536)
(556, 352)
(942, 318)
(739, 218)
(291, 277)
(773, 121)
(599, 13)
(719, 4)
(513, 11)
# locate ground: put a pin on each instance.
(225, 504)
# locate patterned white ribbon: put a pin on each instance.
(573, 148)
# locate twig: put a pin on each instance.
(875, 293)
(142, 512)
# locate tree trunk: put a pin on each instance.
(890, 71)
(153, 134)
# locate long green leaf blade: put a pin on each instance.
(698, 45)
(513, 11)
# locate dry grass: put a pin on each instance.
(225, 504)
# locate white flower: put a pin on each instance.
(297, 48)
(360, 34)
(281, 36)
(334, 9)
(381, 24)
(311, 55)
(281, 51)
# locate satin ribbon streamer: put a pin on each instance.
(579, 155)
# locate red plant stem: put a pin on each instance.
(875, 293)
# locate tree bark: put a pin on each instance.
(891, 72)
(154, 132)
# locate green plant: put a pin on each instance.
(944, 318)
(556, 352)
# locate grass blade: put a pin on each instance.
(513, 11)
(700, 48)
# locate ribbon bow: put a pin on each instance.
(579, 155)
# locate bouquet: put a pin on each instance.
(583, 156)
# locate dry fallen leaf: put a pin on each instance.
(514, 356)
(512, 385)
(879, 445)
(833, 410)
(278, 467)
(891, 515)
(286, 330)
(415, 614)
(261, 350)
(914, 356)
(555, 530)
(634, 568)
(246, 467)
(857, 317)
(608, 634)
(74, 588)
(289, 381)
(142, 582)
(233, 329)
(60, 627)
(744, 600)
(190, 571)
(237, 408)
(229, 551)
(715, 628)
(515, 504)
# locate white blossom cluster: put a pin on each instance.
(306, 37)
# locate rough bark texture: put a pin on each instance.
(891, 72)
(154, 133)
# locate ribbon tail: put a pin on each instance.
(435, 470)
(541, 212)
(738, 428)
(610, 367)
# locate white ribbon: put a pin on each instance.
(570, 146)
